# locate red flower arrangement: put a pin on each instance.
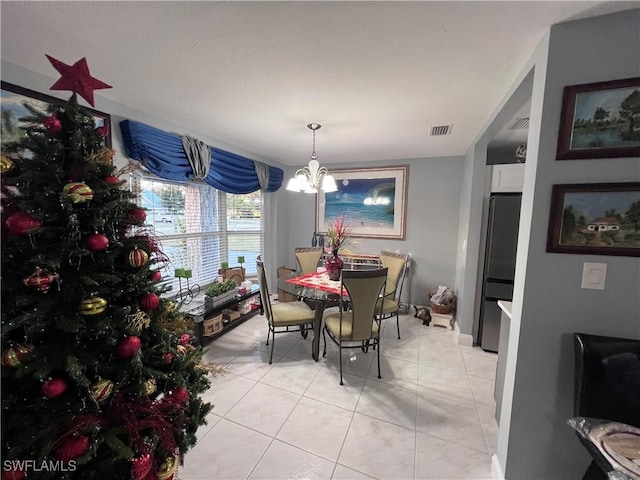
(338, 233)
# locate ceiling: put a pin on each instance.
(377, 75)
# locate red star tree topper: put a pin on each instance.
(76, 78)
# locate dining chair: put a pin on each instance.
(606, 387)
(282, 317)
(359, 326)
(390, 302)
(308, 258)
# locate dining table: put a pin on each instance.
(322, 293)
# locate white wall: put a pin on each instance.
(433, 206)
(549, 305)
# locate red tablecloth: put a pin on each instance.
(320, 281)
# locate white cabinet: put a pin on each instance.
(507, 178)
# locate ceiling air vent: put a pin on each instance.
(520, 124)
(441, 130)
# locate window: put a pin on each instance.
(199, 226)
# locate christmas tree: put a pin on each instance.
(100, 378)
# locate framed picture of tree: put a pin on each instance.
(600, 120)
(12, 101)
(595, 218)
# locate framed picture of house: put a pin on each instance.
(600, 120)
(12, 104)
(595, 218)
(373, 201)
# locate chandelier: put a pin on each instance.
(313, 177)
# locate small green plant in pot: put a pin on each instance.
(219, 288)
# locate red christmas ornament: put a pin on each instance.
(54, 388)
(150, 301)
(40, 280)
(77, 79)
(138, 258)
(141, 466)
(128, 347)
(136, 215)
(155, 276)
(21, 223)
(168, 357)
(184, 339)
(73, 448)
(13, 474)
(97, 242)
(180, 395)
(111, 180)
(52, 124)
(103, 131)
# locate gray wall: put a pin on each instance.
(549, 305)
(433, 206)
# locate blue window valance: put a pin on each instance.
(163, 153)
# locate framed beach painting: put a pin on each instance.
(600, 120)
(595, 218)
(12, 100)
(373, 202)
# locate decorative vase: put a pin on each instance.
(334, 266)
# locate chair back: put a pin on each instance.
(397, 264)
(607, 378)
(264, 288)
(364, 288)
(308, 258)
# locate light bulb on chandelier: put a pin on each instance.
(313, 177)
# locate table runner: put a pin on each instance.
(319, 280)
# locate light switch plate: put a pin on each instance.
(594, 275)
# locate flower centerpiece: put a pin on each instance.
(338, 235)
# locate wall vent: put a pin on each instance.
(520, 124)
(441, 130)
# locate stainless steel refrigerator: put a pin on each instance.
(499, 265)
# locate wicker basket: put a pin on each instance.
(435, 308)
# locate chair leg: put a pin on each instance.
(341, 364)
(398, 324)
(324, 352)
(379, 376)
(273, 344)
(268, 333)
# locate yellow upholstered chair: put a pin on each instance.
(282, 317)
(390, 303)
(308, 258)
(358, 327)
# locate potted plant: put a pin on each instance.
(339, 235)
(220, 292)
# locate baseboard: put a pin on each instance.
(496, 468)
(461, 338)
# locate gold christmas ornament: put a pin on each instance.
(92, 306)
(150, 386)
(5, 164)
(101, 390)
(13, 356)
(78, 192)
(168, 468)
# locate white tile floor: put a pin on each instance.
(429, 417)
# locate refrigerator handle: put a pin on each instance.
(489, 246)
